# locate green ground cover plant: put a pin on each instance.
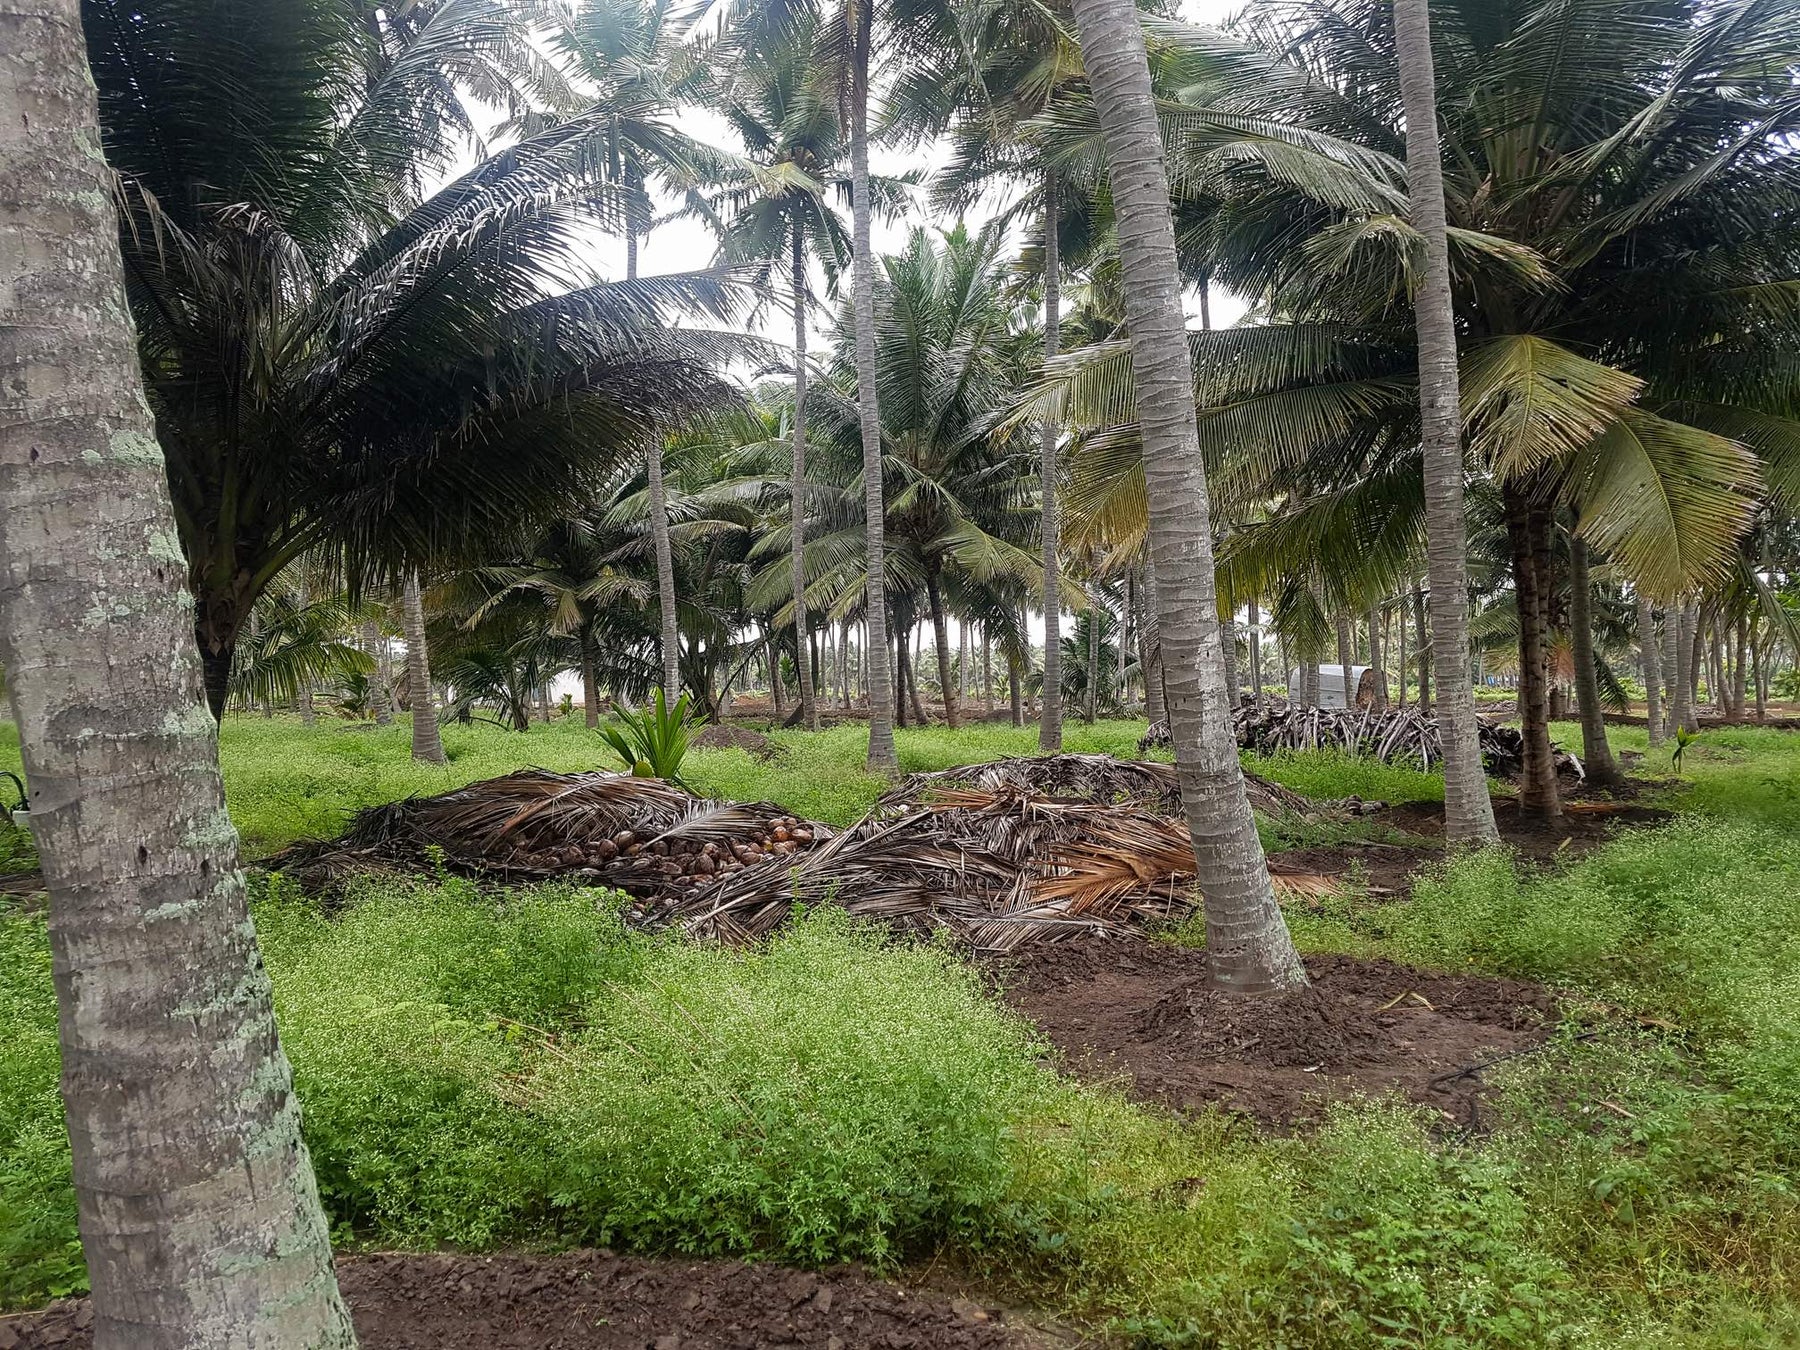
(487, 1069)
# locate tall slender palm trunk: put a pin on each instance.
(1248, 946)
(1091, 705)
(1050, 720)
(1256, 655)
(1537, 787)
(1596, 753)
(381, 685)
(1650, 653)
(1346, 655)
(670, 641)
(1375, 662)
(809, 707)
(427, 744)
(940, 632)
(1468, 812)
(882, 757)
(199, 1218)
(1424, 644)
(1156, 707)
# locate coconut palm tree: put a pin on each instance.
(1468, 812)
(1247, 940)
(200, 1218)
(953, 349)
(1622, 286)
(779, 214)
(331, 360)
(293, 642)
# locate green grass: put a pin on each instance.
(487, 1070)
(483, 1070)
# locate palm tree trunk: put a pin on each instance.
(1228, 650)
(1468, 813)
(1693, 629)
(1649, 650)
(809, 707)
(381, 689)
(665, 571)
(882, 758)
(1156, 706)
(1090, 704)
(590, 682)
(1740, 667)
(1050, 720)
(1680, 709)
(1424, 636)
(1248, 946)
(777, 692)
(1256, 655)
(1400, 647)
(1346, 655)
(941, 632)
(427, 744)
(1537, 787)
(1309, 678)
(1375, 654)
(199, 1218)
(987, 672)
(309, 714)
(1597, 754)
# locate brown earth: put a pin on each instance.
(598, 1301)
(1142, 1010)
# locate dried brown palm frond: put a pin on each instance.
(1095, 778)
(640, 835)
(1394, 736)
(988, 853)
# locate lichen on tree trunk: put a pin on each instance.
(199, 1216)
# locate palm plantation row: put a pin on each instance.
(1526, 381)
(1595, 427)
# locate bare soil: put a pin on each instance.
(1143, 1011)
(1585, 824)
(599, 1301)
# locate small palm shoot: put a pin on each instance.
(653, 741)
(1683, 739)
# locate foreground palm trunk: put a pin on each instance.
(882, 757)
(1247, 939)
(427, 744)
(1468, 812)
(1051, 719)
(199, 1218)
(809, 707)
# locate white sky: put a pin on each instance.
(687, 244)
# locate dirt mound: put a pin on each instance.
(1144, 1010)
(597, 1301)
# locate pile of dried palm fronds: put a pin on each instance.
(1000, 854)
(1395, 736)
(640, 835)
(1095, 778)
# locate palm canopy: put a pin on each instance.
(334, 364)
(951, 350)
(1625, 256)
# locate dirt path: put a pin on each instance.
(1141, 1010)
(598, 1301)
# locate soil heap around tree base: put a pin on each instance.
(598, 1301)
(1144, 1011)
